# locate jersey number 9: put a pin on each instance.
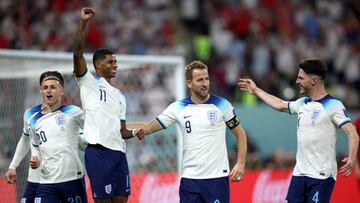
(188, 126)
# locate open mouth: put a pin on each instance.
(49, 96)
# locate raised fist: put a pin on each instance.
(87, 13)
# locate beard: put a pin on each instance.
(202, 94)
(303, 91)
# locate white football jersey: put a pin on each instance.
(104, 107)
(203, 128)
(56, 136)
(317, 126)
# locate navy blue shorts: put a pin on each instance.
(214, 190)
(69, 191)
(306, 189)
(108, 172)
(30, 192)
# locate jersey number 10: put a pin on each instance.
(42, 137)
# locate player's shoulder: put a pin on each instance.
(329, 101)
(88, 78)
(215, 99)
(87, 74)
(302, 100)
(70, 109)
(32, 110)
(180, 104)
(218, 101)
(183, 102)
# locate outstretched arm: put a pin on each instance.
(125, 132)
(237, 173)
(276, 103)
(79, 60)
(142, 129)
(353, 143)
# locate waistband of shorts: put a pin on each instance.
(98, 146)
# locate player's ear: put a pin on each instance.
(313, 81)
(97, 65)
(188, 83)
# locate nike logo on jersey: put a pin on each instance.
(185, 117)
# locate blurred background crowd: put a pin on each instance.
(260, 39)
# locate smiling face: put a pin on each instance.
(106, 67)
(51, 92)
(199, 84)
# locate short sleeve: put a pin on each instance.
(228, 110)
(168, 116)
(87, 78)
(295, 105)
(338, 113)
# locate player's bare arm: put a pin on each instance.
(353, 143)
(143, 129)
(237, 172)
(79, 60)
(129, 133)
(276, 103)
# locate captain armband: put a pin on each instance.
(232, 123)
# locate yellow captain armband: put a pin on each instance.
(232, 123)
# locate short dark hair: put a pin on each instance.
(52, 75)
(101, 54)
(314, 66)
(192, 66)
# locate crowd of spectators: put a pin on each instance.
(260, 39)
